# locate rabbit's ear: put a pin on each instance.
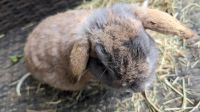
(162, 22)
(79, 57)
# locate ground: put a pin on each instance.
(37, 97)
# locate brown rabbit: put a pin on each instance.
(111, 45)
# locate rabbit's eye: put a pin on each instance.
(102, 54)
(100, 49)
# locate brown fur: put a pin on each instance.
(156, 20)
(48, 47)
(116, 36)
(62, 51)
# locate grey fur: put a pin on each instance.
(112, 67)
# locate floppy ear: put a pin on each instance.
(79, 57)
(162, 22)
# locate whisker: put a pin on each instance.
(102, 73)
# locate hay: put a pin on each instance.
(172, 56)
(170, 91)
(20, 82)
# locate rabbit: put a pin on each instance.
(110, 45)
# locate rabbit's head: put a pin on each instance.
(128, 60)
(122, 54)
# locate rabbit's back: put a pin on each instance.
(48, 46)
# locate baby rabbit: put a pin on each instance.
(110, 45)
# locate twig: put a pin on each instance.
(79, 95)
(184, 96)
(193, 109)
(150, 102)
(168, 84)
(54, 102)
(176, 109)
(19, 84)
(172, 100)
(195, 63)
(175, 81)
